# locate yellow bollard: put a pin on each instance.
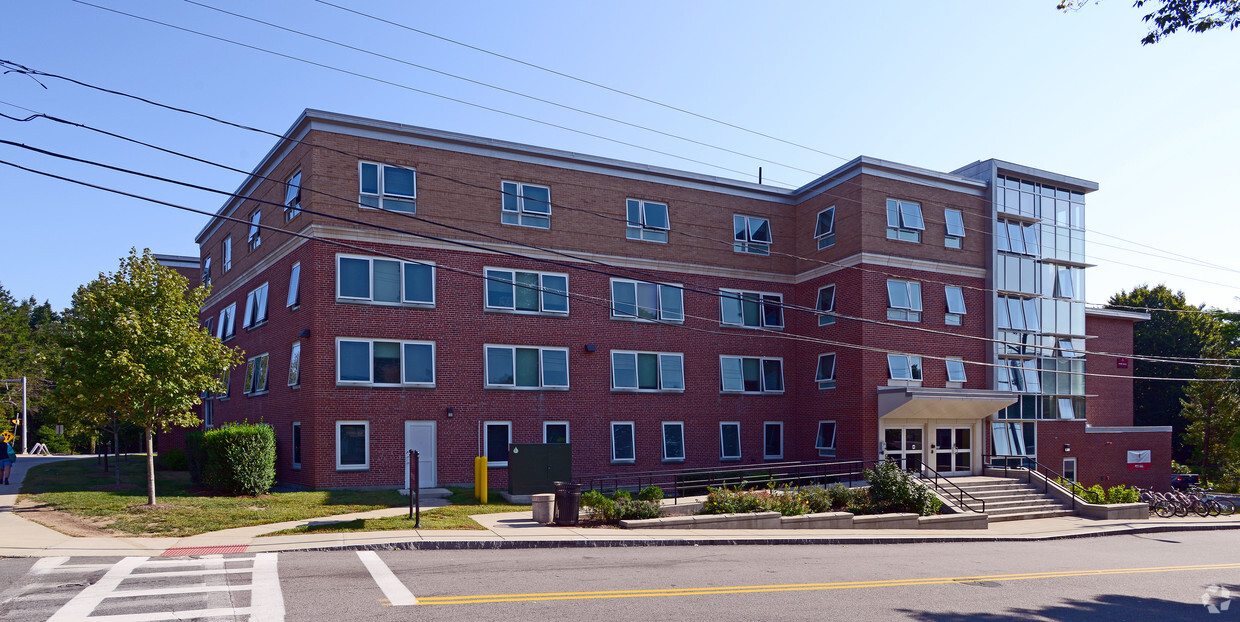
(482, 461)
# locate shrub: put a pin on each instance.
(195, 455)
(172, 460)
(604, 509)
(1122, 494)
(724, 501)
(56, 443)
(240, 459)
(651, 493)
(892, 489)
(622, 505)
(817, 498)
(637, 509)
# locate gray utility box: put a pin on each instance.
(534, 468)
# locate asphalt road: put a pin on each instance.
(1154, 577)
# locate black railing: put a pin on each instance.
(678, 483)
(1031, 466)
(941, 482)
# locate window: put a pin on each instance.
(647, 371)
(751, 235)
(225, 378)
(256, 307)
(772, 440)
(206, 271)
(647, 221)
(208, 324)
(292, 197)
(1069, 469)
(1013, 438)
(256, 375)
(227, 327)
(296, 444)
(622, 449)
(904, 301)
(208, 412)
(673, 441)
(1066, 410)
(825, 305)
(751, 309)
(825, 441)
(1017, 237)
(1017, 314)
(555, 432)
(498, 437)
(388, 187)
(903, 367)
(825, 376)
(1022, 376)
(1063, 283)
(824, 228)
(515, 367)
(730, 440)
(226, 255)
(384, 281)
(955, 370)
(955, 228)
(647, 301)
(371, 361)
(294, 366)
(352, 445)
(526, 205)
(294, 287)
(955, 305)
(256, 231)
(752, 374)
(526, 292)
(904, 221)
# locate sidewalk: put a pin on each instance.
(22, 538)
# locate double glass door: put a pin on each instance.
(904, 446)
(953, 451)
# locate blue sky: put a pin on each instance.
(937, 85)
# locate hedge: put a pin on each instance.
(239, 459)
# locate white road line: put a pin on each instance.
(48, 564)
(81, 606)
(193, 573)
(77, 568)
(266, 599)
(160, 616)
(396, 592)
(186, 589)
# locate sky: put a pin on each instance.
(933, 85)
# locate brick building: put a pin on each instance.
(396, 287)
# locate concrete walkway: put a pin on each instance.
(22, 538)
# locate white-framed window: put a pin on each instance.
(955, 305)
(773, 440)
(824, 442)
(647, 371)
(751, 374)
(730, 440)
(751, 235)
(526, 367)
(1013, 313)
(294, 365)
(256, 307)
(385, 362)
(296, 445)
(751, 309)
(1066, 408)
(526, 205)
(226, 379)
(256, 231)
(383, 186)
(292, 197)
(647, 220)
(555, 432)
(903, 300)
(208, 412)
(293, 300)
(226, 255)
(904, 367)
(904, 220)
(227, 327)
(825, 305)
(521, 291)
(1017, 237)
(1063, 283)
(824, 228)
(638, 300)
(1069, 469)
(384, 281)
(955, 371)
(352, 445)
(825, 374)
(498, 437)
(622, 443)
(256, 375)
(955, 228)
(673, 441)
(206, 270)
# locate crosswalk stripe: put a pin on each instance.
(266, 598)
(397, 594)
(81, 606)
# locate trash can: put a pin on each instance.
(567, 503)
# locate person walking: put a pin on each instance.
(6, 459)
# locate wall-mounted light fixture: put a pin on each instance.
(304, 334)
(450, 412)
(591, 347)
(1067, 448)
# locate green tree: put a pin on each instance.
(1173, 15)
(27, 348)
(134, 351)
(1211, 406)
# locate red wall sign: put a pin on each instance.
(1121, 363)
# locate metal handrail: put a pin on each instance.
(1037, 468)
(960, 492)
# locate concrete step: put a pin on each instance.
(429, 493)
(1024, 516)
(1022, 503)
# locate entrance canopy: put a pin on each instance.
(896, 403)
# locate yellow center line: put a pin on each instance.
(796, 587)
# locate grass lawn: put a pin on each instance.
(81, 488)
(455, 516)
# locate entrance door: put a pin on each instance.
(420, 436)
(904, 446)
(953, 451)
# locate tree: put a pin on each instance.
(1173, 15)
(1211, 406)
(135, 352)
(27, 348)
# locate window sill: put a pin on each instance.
(257, 393)
(778, 329)
(623, 461)
(642, 320)
(372, 385)
(736, 459)
(294, 387)
(497, 465)
(256, 325)
(371, 303)
(649, 391)
(772, 457)
(221, 398)
(904, 383)
(826, 386)
(631, 239)
(292, 308)
(340, 468)
(504, 388)
(529, 313)
(671, 461)
(752, 392)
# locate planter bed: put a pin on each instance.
(824, 520)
